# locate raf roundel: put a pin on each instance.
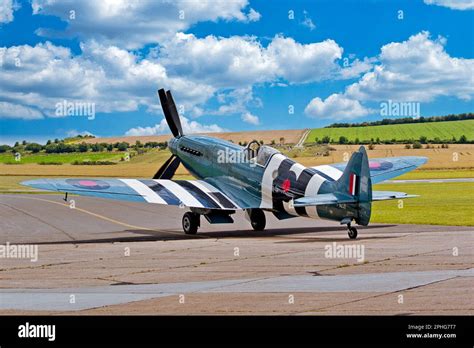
(88, 184)
(380, 165)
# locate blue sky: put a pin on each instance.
(231, 65)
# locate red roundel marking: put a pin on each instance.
(380, 165)
(374, 165)
(89, 183)
(286, 185)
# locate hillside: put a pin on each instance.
(292, 136)
(444, 131)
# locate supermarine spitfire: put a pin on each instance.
(262, 179)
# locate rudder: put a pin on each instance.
(355, 181)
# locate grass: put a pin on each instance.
(64, 158)
(445, 131)
(140, 166)
(437, 174)
(438, 204)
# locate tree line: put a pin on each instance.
(60, 146)
(422, 140)
(388, 121)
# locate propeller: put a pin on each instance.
(170, 111)
(168, 169)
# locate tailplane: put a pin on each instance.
(350, 197)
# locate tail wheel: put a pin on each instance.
(257, 219)
(352, 232)
(190, 223)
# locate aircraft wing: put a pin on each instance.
(188, 193)
(380, 168)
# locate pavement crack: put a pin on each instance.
(39, 219)
(377, 295)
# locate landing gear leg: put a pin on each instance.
(191, 222)
(351, 231)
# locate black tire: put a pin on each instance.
(190, 223)
(257, 219)
(352, 232)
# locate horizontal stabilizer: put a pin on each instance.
(386, 195)
(331, 198)
(322, 199)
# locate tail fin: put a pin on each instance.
(355, 181)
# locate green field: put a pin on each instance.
(438, 204)
(445, 131)
(436, 174)
(61, 158)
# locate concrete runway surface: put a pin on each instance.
(110, 257)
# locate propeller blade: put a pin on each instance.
(174, 112)
(168, 169)
(166, 110)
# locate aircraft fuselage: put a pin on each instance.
(273, 182)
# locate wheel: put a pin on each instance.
(190, 223)
(257, 219)
(352, 232)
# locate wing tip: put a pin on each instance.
(41, 184)
(416, 161)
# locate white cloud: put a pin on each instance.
(254, 16)
(117, 80)
(308, 22)
(112, 78)
(74, 133)
(7, 7)
(415, 70)
(452, 4)
(337, 107)
(249, 118)
(418, 69)
(236, 101)
(224, 62)
(189, 127)
(299, 63)
(132, 24)
(9, 110)
(241, 61)
(356, 68)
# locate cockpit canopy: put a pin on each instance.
(259, 153)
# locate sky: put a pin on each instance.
(93, 67)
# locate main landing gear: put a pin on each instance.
(257, 219)
(351, 231)
(191, 222)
